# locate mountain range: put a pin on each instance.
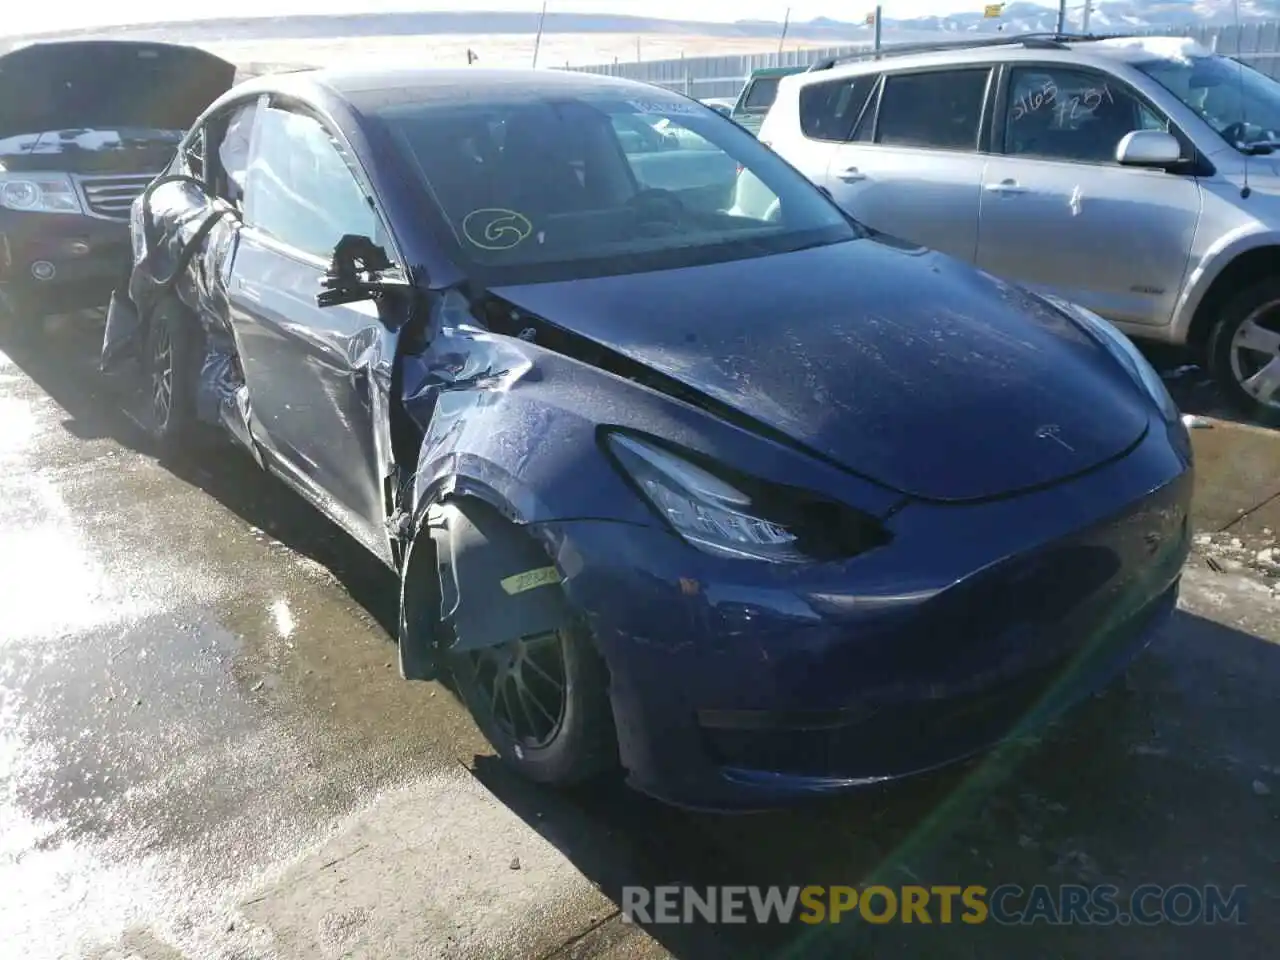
(1108, 16)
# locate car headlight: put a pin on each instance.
(39, 193)
(1125, 353)
(755, 523)
(137, 229)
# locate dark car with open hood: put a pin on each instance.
(682, 472)
(84, 126)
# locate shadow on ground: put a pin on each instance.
(61, 353)
(1192, 388)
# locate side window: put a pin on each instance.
(940, 110)
(760, 97)
(637, 136)
(1064, 114)
(687, 163)
(233, 151)
(299, 188)
(829, 110)
(865, 130)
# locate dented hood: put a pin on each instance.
(107, 84)
(900, 364)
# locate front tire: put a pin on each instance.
(543, 702)
(173, 370)
(1244, 351)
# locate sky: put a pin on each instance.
(30, 17)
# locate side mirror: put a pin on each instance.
(355, 273)
(1148, 148)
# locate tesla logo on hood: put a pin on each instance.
(1051, 431)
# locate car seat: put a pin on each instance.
(537, 174)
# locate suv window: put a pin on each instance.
(829, 110)
(299, 188)
(1065, 114)
(941, 110)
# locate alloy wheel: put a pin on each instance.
(162, 377)
(525, 685)
(1255, 356)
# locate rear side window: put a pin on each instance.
(1058, 113)
(939, 110)
(829, 110)
(760, 95)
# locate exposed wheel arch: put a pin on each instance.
(477, 590)
(1245, 270)
(470, 566)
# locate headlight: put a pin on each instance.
(748, 520)
(39, 193)
(1122, 348)
(137, 231)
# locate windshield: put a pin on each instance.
(535, 190)
(1240, 103)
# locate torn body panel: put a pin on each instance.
(320, 380)
(515, 424)
(305, 389)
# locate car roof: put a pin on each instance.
(1096, 52)
(368, 90)
(775, 72)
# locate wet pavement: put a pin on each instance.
(206, 750)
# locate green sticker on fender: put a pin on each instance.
(540, 577)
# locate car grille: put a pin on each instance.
(110, 196)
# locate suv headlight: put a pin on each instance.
(39, 193)
(137, 229)
(760, 522)
(1125, 353)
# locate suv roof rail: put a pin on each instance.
(1042, 41)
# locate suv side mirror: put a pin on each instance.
(1148, 148)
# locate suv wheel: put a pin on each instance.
(1244, 350)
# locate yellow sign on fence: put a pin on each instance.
(992, 10)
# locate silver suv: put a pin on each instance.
(1134, 176)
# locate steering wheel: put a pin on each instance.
(1239, 132)
(656, 208)
(1234, 133)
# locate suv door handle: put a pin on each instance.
(1005, 186)
(851, 175)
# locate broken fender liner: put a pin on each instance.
(127, 318)
(495, 585)
(120, 336)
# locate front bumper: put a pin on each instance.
(745, 684)
(90, 256)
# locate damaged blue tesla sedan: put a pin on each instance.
(681, 469)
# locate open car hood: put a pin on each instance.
(107, 84)
(900, 364)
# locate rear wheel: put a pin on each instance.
(1244, 350)
(173, 370)
(543, 702)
